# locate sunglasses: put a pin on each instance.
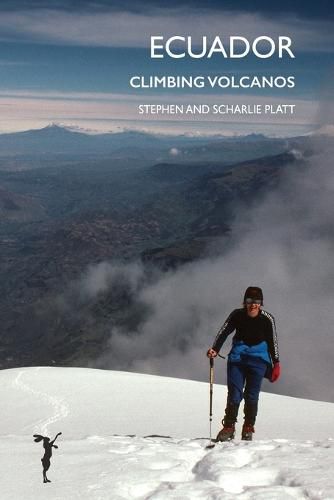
(253, 301)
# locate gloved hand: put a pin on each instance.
(276, 372)
(211, 353)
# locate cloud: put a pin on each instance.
(285, 7)
(174, 152)
(133, 29)
(4, 62)
(99, 278)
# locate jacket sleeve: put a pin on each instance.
(272, 340)
(224, 332)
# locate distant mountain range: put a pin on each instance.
(61, 141)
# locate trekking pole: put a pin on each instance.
(211, 445)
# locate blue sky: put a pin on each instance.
(70, 61)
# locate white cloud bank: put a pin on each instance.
(126, 29)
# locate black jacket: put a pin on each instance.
(250, 331)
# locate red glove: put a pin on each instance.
(211, 353)
(276, 372)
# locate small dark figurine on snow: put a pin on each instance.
(48, 445)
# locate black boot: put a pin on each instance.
(247, 432)
(250, 411)
(228, 431)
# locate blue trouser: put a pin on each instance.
(244, 379)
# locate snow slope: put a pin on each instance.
(115, 442)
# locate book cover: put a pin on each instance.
(156, 159)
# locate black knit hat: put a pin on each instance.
(253, 292)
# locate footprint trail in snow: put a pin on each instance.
(60, 408)
(183, 469)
